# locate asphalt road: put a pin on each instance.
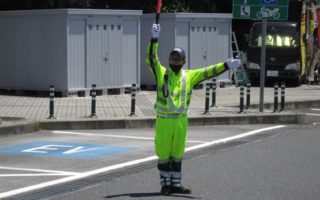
(279, 164)
(37, 160)
(223, 162)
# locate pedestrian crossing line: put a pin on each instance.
(116, 136)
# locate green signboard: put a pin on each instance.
(260, 9)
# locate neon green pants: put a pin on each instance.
(170, 138)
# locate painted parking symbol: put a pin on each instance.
(64, 150)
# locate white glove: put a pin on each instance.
(233, 63)
(155, 31)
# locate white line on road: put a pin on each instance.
(38, 170)
(228, 139)
(315, 109)
(312, 114)
(130, 163)
(115, 136)
(33, 175)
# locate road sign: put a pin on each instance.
(269, 2)
(260, 9)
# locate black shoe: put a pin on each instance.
(165, 190)
(180, 190)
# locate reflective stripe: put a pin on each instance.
(176, 175)
(172, 108)
(165, 178)
(170, 115)
(183, 92)
(176, 184)
(165, 174)
(176, 94)
(176, 179)
(206, 73)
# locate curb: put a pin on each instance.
(289, 118)
(26, 126)
(295, 105)
(18, 127)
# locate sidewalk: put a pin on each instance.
(118, 107)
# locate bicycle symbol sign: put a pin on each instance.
(260, 9)
(266, 13)
(269, 2)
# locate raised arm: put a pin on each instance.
(152, 59)
(199, 75)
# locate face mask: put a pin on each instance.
(175, 68)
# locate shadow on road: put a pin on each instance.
(151, 194)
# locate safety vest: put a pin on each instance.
(165, 102)
(173, 100)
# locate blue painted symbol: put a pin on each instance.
(269, 2)
(64, 150)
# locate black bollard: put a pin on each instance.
(93, 100)
(283, 88)
(248, 95)
(51, 104)
(241, 98)
(276, 94)
(214, 88)
(206, 110)
(133, 100)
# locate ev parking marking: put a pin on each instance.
(64, 150)
(130, 163)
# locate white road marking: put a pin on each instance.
(315, 109)
(130, 163)
(115, 136)
(32, 175)
(312, 114)
(228, 139)
(38, 170)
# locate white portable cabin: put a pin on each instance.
(205, 37)
(70, 49)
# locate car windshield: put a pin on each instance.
(276, 36)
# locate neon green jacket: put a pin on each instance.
(174, 95)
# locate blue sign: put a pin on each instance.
(269, 2)
(64, 150)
